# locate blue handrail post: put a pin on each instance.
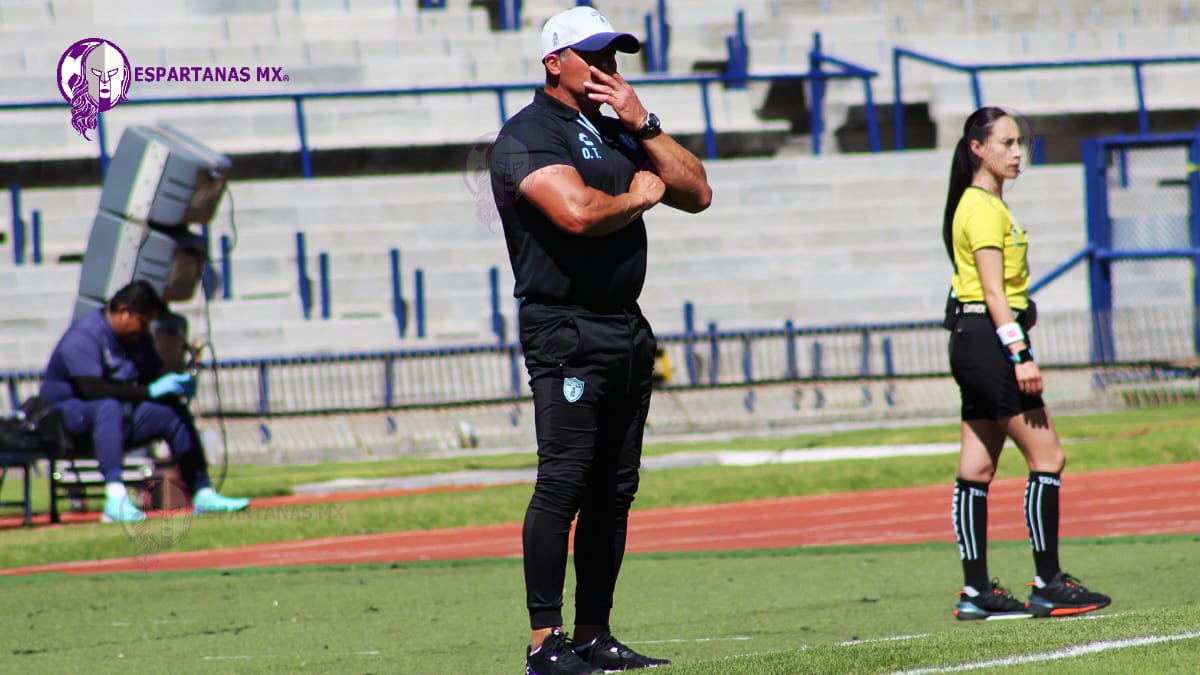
(710, 135)
(35, 235)
(649, 45)
(501, 105)
(714, 353)
(735, 45)
(663, 39)
(1194, 189)
(264, 389)
(889, 369)
(897, 102)
(302, 270)
(389, 379)
(817, 356)
(323, 270)
(419, 300)
(494, 297)
(789, 335)
(18, 225)
(817, 86)
(689, 348)
(226, 268)
(872, 117)
(1100, 235)
(302, 130)
(206, 274)
(510, 14)
(1143, 116)
(748, 358)
(976, 88)
(399, 308)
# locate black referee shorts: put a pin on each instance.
(985, 375)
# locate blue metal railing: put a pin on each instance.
(974, 70)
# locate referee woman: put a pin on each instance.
(989, 314)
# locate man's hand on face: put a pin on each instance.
(612, 89)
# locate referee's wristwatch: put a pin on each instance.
(649, 129)
(1023, 356)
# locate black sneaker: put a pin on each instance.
(555, 657)
(991, 603)
(605, 652)
(1063, 596)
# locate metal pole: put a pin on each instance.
(1194, 194)
(897, 103)
(689, 348)
(18, 225)
(494, 289)
(302, 271)
(35, 234)
(226, 268)
(301, 129)
(710, 136)
(323, 269)
(399, 310)
(816, 85)
(1143, 116)
(419, 300)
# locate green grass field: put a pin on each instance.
(864, 609)
(826, 610)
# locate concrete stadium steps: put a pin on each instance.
(817, 240)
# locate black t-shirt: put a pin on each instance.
(551, 265)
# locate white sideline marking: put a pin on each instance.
(707, 639)
(894, 638)
(1058, 654)
(244, 657)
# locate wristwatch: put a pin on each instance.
(650, 128)
(1023, 356)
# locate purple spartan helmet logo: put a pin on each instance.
(93, 76)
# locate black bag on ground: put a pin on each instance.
(36, 427)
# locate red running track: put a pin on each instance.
(1151, 500)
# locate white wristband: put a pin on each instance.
(1010, 333)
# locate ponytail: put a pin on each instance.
(962, 167)
(961, 174)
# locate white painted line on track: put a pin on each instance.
(1057, 654)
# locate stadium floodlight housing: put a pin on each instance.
(159, 182)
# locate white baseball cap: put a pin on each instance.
(585, 29)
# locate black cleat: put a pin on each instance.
(605, 652)
(1063, 596)
(555, 657)
(990, 604)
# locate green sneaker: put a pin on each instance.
(121, 510)
(206, 500)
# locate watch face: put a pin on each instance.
(652, 122)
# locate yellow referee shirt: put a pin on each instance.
(982, 220)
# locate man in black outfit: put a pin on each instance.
(571, 186)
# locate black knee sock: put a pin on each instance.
(1041, 517)
(970, 530)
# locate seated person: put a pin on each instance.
(107, 378)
